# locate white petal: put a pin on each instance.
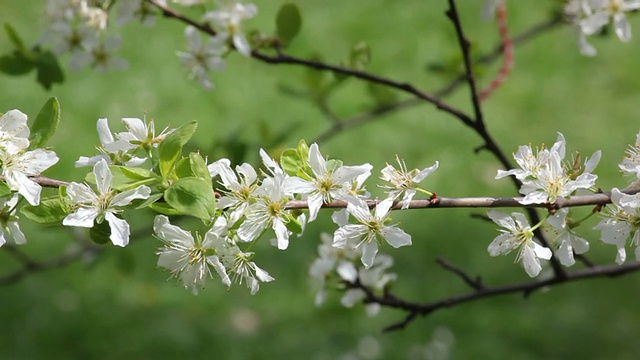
(315, 203)
(16, 233)
(103, 176)
(395, 236)
(623, 29)
(104, 132)
(530, 262)
(171, 233)
(282, 234)
(83, 217)
(347, 271)
(369, 252)
(119, 230)
(424, 173)
(81, 194)
(124, 198)
(136, 127)
(29, 189)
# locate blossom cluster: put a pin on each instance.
(545, 178)
(81, 28)
(138, 168)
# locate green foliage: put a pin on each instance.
(288, 23)
(170, 148)
(100, 232)
(193, 197)
(295, 161)
(49, 70)
(4, 189)
(22, 60)
(16, 64)
(45, 124)
(49, 212)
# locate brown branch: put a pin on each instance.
(30, 266)
(473, 283)
(526, 288)
(465, 47)
(476, 202)
(445, 91)
(281, 58)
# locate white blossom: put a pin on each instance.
(621, 221)
(200, 58)
(17, 167)
(104, 205)
(325, 183)
(14, 132)
(10, 229)
(403, 181)
(113, 151)
(228, 19)
(240, 190)
(568, 241)
(268, 210)
(631, 163)
(239, 265)
(598, 13)
(517, 233)
(370, 227)
(187, 258)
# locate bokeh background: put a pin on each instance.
(118, 304)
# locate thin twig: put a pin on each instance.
(473, 283)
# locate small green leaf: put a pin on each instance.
(136, 173)
(170, 148)
(290, 162)
(192, 196)
(164, 208)
(293, 225)
(15, 39)
(199, 167)
(45, 124)
(288, 23)
(15, 64)
(360, 55)
(149, 201)
(49, 212)
(100, 233)
(4, 189)
(49, 70)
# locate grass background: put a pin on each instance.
(119, 304)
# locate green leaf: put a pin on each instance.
(199, 167)
(288, 23)
(49, 70)
(15, 39)
(290, 162)
(100, 233)
(360, 56)
(192, 196)
(294, 225)
(164, 208)
(45, 124)
(4, 189)
(15, 64)
(149, 201)
(49, 212)
(170, 148)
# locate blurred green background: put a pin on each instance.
(118, 304)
